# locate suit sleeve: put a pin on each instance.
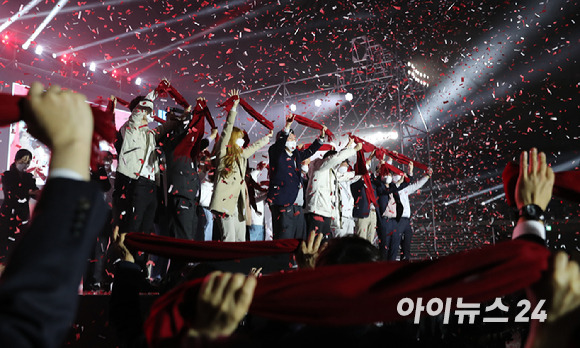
(38, 292)
(337, 159)
(311, 150)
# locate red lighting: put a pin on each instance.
(5, 38)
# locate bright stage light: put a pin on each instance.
(138, 81)
(93, 67)
(318, 103)
(38, 50)
(348, 96)
(292, 107)
(5, 38)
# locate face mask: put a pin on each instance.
(396, 178)
(21, 166)
(342, 169)
(240, 142)
(305, 168)
(291, 145)
(388, 179)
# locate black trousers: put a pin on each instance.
(140, 205)
(288, 222)
(320, 224)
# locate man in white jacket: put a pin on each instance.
(323, 196)
(345, 179)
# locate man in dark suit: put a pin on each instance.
(285, 192)
(38, 289)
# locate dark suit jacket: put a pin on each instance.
(285, 174)
(39, 288)
(16, 186)
(361, 208)
(382, 192)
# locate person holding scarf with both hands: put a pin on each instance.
(229, 199)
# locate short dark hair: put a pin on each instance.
(136, 102)
(346, 250)
(329, 153)
(281, 133)
(22, 153)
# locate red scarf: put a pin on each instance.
(312, 124)
(228, 104)
(189, 146)
(104, 123)
(366, 293)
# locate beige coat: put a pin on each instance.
(229, 193)
(322, 196)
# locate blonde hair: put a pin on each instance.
(233, 152)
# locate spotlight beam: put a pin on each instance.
(144, 29)
(45, 22)
(18, 14)
(73, 9)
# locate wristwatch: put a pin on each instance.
(532, 212)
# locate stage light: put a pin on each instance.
(348, 96)
(292, 107)
(138, 81)
(393, 135)
(318, 103)
(5, 38)
(38, 50)
(54, 55)
(45, 22)
(93, 67)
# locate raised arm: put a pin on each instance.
(222, 143)
(255, 146)
(39, 288)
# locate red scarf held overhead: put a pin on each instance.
(566, 184)
(104, 124)
(367, 293)
(207, 251)
(312, 124)
(191, 143)
(228, 104)
(165, 88)
(380, 153)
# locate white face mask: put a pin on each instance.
(21, 166)
(388, 179)
(240, 142)
(291, 145)
(396, 178)
(305, 168)
(342, 169)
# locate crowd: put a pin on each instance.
(324, 196)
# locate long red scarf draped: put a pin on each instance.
(367, 293)
(104, 124)
(207, 251)
(228, 104)
(566, 184)
(312, 124)
(190, 145)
